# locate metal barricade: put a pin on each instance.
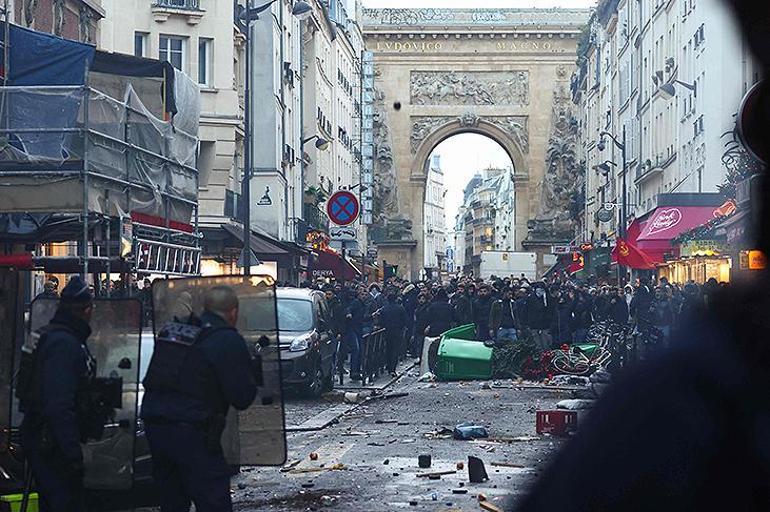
(373, 356)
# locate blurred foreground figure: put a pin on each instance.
(689, 430)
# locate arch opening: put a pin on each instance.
(469, 201)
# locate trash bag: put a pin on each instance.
(466, 431)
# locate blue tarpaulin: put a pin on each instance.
(42, 59)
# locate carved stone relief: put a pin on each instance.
(30, 9)
(389, 224)
(562, 184)
(86, 19)
(471, 88)
(515, 126)
(58, 17)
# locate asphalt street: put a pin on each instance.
(368, 459)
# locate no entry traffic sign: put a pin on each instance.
(343, 208)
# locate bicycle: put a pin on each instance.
(579, 361)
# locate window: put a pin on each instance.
(172, 51)
(204, 61)
(140, 44)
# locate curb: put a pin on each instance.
(334, 418)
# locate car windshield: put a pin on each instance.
(295, 315)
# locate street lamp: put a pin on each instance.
(624, 208)
(320, 143)
(301, 10)
(668, 91)
(605, 168)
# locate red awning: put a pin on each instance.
(331, 264)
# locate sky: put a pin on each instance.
(478, 3)
(462, 156)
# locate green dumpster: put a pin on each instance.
(460, 357)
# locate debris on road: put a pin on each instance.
(291, 465)
(459, 491)
(477, 473)
(334, 467)
(557, 423)
(489, 507)
(466, 431)
(460, 465)
(576, 404)
(424, 461)
(436, 473)
(442, 433)
(507, 465)
(313, 456)
(427, 377)
(384, 422)
(510, 440)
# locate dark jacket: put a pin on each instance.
(561, 326)
(640, 303)
(393, 319)
(539, 314)
(228, 367)
(64, 373)
(521, 311)
(335, 318)
(463, 310)
(503, 315)
(354, 314)
(421, 320)
(482, 309)
(440, 318)
(662, 314)
(619, 310)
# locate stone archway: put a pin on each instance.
(501, 73)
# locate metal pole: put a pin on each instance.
(246, 179)
(624, 205)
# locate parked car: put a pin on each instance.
(307, 348)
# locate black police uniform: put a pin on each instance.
(184, 421)
(51, 430)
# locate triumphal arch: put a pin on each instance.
(503, 73)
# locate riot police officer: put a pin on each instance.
(56, 368)
(187, 397)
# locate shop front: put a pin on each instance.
(699, 261)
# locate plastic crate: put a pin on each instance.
(12, 503)
(556, 423)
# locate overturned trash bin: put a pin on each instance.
(460, 357)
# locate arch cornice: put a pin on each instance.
(511, 132)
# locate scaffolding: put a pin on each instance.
(106, 175)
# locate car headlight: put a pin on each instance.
(300, 344)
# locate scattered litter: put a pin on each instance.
(424, 461)
(569, 380)
(407, 441)
(241, 486)
(384, 422)
(434, 477)
(442, 433)
(507, 465)
(386, 462)
(334, 467)
(518, 439)
(465, 431)
(313, 456)
(352, 398)
(600, 376)
(291, 465)
(388, 396)
(308, 485)
(329, 500)
(427, 377)
(460, 465)
(434, 496)
(489, 507)
(375, 444)
(576, 404)
(356, 433)
(436, 473)
(413, 503)
(482, 497)
(459, 491)
(477, 473)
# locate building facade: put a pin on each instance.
(486, 218)
(331, 55)
(671, 76)
(78, 20)
(435, 219)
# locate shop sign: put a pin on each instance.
(702, 248)
(757, 260)
(561, 249)
(586, 247)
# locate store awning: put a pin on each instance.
(332, 265)
(666, 223)
(259, 244)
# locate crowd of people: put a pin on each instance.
(552, 312)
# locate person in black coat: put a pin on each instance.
(393, 320)
(421, 321)
(618, 308)
(461, 303)
(184, 416)
(440, 315)
(540, 315)
(354, 323)
(51, 429)
(482, 309)
(562, 320)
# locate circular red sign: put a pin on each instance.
(343, 208)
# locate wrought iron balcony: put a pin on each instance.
(188, 5)
(316, 219)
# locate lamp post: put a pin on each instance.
(624, 206)
(301, 10)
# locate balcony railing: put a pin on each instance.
(316, 219)
(188, 5)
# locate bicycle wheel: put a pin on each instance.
(563, 363)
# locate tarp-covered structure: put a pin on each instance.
(82, 129)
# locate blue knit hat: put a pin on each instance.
(77, 291)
